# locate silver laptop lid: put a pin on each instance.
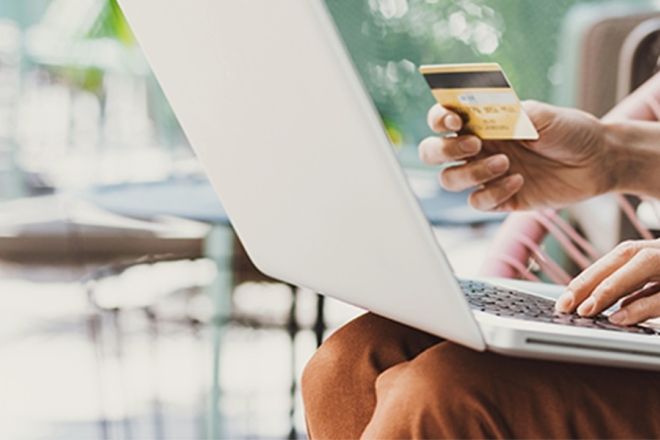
(295, 150)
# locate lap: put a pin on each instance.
(476, 394)
(382, 375)
(338, 382)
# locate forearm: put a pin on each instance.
(642, 105)
(635, 152)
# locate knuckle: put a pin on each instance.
(452, 149)
(498, 194)
(481, 173)
(577, 284)
(447, 180)
(482, 199)
(423, 153)
(578, 281)
(655, 256)
(457, 178)
(466, 146)
(473, 201)
(638, 308)
(510, 205)
(454, 180)
(627, 248)
(647, 256)
(504, 207)
(434, 117)
(605, 290)
(644, 308)
(427, 148)
(430, 115)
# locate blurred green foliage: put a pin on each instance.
(111, 23)
(84, 78)
(389, 39)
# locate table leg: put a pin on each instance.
(219, 247)
(319, 324)
(292, 329)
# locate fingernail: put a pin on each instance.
(564, 302)
(618, 317)
(453, 122)
(470, 146)
(498, 164)
(586, 307)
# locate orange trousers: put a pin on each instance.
(375, 378)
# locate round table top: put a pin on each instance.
(195, 199)
(189, 198)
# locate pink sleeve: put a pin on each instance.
(643, 104)
(506, 248)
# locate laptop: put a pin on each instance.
(294, 148)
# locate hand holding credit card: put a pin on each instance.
(482, 95)
(497, 151)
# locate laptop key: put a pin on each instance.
(518, 305)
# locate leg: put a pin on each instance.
(452, 392)
(338, 384)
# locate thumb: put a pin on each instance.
(540, 113)
(542, 116)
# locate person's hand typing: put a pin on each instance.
(630, 271)
(576, 157)
(570, 162)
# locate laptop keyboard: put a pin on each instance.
(504, 302)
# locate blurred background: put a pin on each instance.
(128, 308)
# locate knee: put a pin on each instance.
(434, 381)
(342, 354)
(447, 367)
(338, 382)
(446, 391)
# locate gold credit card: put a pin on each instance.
(482, 95)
